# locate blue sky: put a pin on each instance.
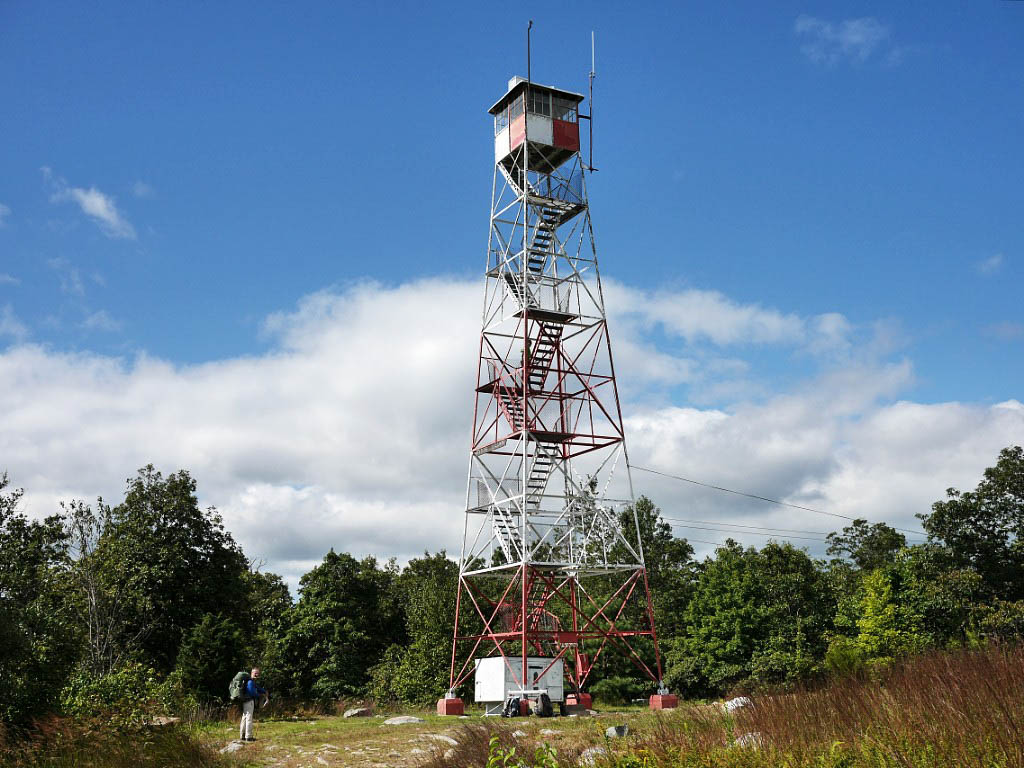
(179, 186)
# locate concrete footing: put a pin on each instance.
(664, 701)
(450, 707)
(584, 700)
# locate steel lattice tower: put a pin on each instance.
(547, 567)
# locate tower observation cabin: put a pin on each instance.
(537, 118)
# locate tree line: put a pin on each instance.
(153, 597)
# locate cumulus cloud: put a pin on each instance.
(352, 430)
(100, 321)
(5, 212)
(1006, 331)
(143, 190)
(98, 206)
(69, 276)
(829, 43)
(10, 326)
(990, 265)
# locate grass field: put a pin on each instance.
(944, 710)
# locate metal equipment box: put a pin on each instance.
(497, 678)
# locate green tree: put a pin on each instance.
(170, 562)
(346, 616)
(983, 529)
(669, 561)
(269, 605)
(211, 653)
(418, 673)
(887, 627)
(38, 641)
(868, 546)
(760, 616)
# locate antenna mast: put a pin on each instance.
(590, 102)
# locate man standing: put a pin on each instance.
(250, 696)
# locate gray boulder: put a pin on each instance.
(617, 731)
(358, 712)
(234, 746)
(752, 740)
(403, 720)
(740, 702)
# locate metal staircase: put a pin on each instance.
(537, 480)
(543, 354)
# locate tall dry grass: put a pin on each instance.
(942, 710)
(964, 708)
(65, 743)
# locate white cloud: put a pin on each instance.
(352, 430)
(69, 276)
(991, 265)
(1006, 331)
(6, 279)
(143, 190)
(98, 206)
(5, 212)
(10, 326)
(697, 315)
(100, 321)
(829, 43)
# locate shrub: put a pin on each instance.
(844, 656)
(617, 690)
(125, 696)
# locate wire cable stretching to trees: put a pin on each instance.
(759, 498)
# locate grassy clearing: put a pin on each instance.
(68, 744)
(938, 711)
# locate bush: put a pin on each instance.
(617, 690)
(210, 656)
(125, 696)
(844, 657)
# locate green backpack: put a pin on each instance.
(237, 690)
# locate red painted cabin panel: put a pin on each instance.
(517, 132)
(566, 134)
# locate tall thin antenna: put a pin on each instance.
(529, 79)
(591, 101)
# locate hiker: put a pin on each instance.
(250, 696)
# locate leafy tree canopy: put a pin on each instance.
(983, 529)
(171, 561)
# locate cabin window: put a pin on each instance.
(515, 109)
(564, 109)
(501, 121)
(540, 103)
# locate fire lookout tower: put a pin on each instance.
(552, 569)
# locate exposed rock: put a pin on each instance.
(417, 751)
(617, 731)
(328, 746)
(752, 740)
(358, 712)
(449, 754)
(234, 746)
(321, 761)
(403, 720)
(441, 737)
(591, 756)
(518, 734)
(734, 705)
(548, 732)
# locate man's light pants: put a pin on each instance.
(245, 727)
